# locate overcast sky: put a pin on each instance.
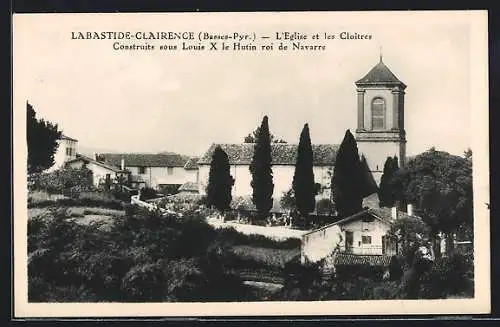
(176, 101)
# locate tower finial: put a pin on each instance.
(380, 53)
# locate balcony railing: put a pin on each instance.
(363, 250)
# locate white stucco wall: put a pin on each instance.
(60, 156)
(282, 178)
(376, 229)
(376, 154)
(98, 172)
(153, 176)
(191, 175)
(320, 244)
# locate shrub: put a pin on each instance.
(451, 275)
(145, 257)
(68, 181)
(236, 238)
(148, 193)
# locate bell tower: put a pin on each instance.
(380, 132)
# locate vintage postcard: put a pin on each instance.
(251, 164)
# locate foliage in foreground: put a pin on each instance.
(446, 277)
(144, 257)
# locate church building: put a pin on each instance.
(380, 133)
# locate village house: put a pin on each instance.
(360, 239)
(164, 172)
(101, 172)
(283, 164)
(66, 151)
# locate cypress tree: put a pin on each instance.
(261, 170)
(303, 178)
(368, 185)
(220, 181)
(348, 181)
(387, 193)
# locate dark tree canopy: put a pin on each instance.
(42, 142)
(220, 181)
(440, 187)
(303, 184)
(252, 137)
(387, 191)
(350, 182)
(368, 183)
(261, 170)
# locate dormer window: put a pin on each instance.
(378, 114)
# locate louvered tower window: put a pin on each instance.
(378, 113)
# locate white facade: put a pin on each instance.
(367, 237)
(66, 151)
(363, 234)
(376, 154)
(320, 243)
(156, 176)
(282, 178)
(99, 172)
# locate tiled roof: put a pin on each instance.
(65, 137)
(192, 163)
(382, 214)
(356, 259)
(386, 213)
(380, 74)
(90, 160)
(282, 154)
(189, 186)
(144, 159)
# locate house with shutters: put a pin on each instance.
(360, 239)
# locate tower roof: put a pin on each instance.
(380, 75)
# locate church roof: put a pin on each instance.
(281, 153)
(380, 75)
(145, 159)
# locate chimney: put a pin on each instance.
(394, 212)
(409, 210)
(122, 165)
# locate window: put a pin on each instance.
(170, 170)
(366, 239)
(378, 113)
(142, 170)
(69, 151)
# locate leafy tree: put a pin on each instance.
(350, 182)
(303, 184)
(220, 181)
(262, 173)
(252, 137)
(440, 187)
(42, 142)
(387, 193)
(468, 154)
